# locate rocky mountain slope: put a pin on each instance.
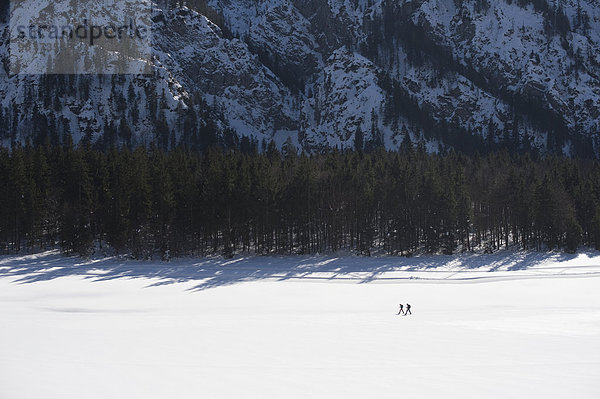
(467, 74)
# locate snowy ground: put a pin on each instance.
(487, 326)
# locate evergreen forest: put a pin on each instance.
(149, 203)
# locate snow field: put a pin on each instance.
(76, 333)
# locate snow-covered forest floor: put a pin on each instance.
(506, 324)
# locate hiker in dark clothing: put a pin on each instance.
(401, 309)
(407, 309)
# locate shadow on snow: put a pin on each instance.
(215, 272)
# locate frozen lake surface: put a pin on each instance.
(491, 326)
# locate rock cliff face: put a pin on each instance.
(469, 74)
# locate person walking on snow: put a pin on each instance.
(401, 309)
(407, 309)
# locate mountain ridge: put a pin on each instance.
(473, 75)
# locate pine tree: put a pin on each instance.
(163, 202)
(359, 140)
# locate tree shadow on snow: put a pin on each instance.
(216, 272)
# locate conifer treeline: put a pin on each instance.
(150, 203)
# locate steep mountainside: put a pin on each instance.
(467, 74)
